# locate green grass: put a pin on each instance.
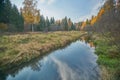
(108, 56)
(20, 48)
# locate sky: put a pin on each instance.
(77, 10)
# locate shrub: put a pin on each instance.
(3, 27)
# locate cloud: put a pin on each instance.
(42, 1)
(83, 18)
(66, 72)
(94, 11)
(51, 1)
(47, 1)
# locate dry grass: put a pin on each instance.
(24, 47)
(106, 74)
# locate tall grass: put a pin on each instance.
(21, 48)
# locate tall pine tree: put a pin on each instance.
(42, 23)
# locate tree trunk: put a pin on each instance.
(32, 28)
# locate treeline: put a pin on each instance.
(13, 20)
(107, 22)
(51, 24)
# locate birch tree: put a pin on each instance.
(30, 13)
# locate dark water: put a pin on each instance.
(75, 62)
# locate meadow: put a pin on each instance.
(18, 48)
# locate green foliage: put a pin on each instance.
(52, 20)
(1, 1)
(64, 24)
(73, 27)
(88, 22)
(108, 62)
(16, 19)
(10, 16)
(47, 23)
(41, 25)
(108, 55)
(1, 8)
(108, 45)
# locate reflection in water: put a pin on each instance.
(66, 73)
(91, 44)
(88, 40)
(35, 66)
(75, 62)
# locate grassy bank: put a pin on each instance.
(19, 48)
(108, 58)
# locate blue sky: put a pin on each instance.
(77, 10)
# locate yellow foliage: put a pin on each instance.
(96, 18)
(36, 19)
(83, 25)
(101, 12)
(93, 20)
(30, 14)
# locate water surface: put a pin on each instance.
(74, 62)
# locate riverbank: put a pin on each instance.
(108, 58)
(16, 49)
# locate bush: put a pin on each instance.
(3, 27)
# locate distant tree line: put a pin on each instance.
(14, 20)
(51, 24)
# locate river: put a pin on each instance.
(77, 61)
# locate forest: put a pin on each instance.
(14, 20)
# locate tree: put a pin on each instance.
(108, 21)
(73, 27)
(118, 3)
(64, 24)
(70, 24)
(1, 2)
(83, 25)
(58, 22)
(1, 5)
(41, 25)
(5, 11)
(16, 19)
(30, 13)
(52, 20)
(93, 20)
(47, 23)
(109, 4)
(2, 25)
(10, 17)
